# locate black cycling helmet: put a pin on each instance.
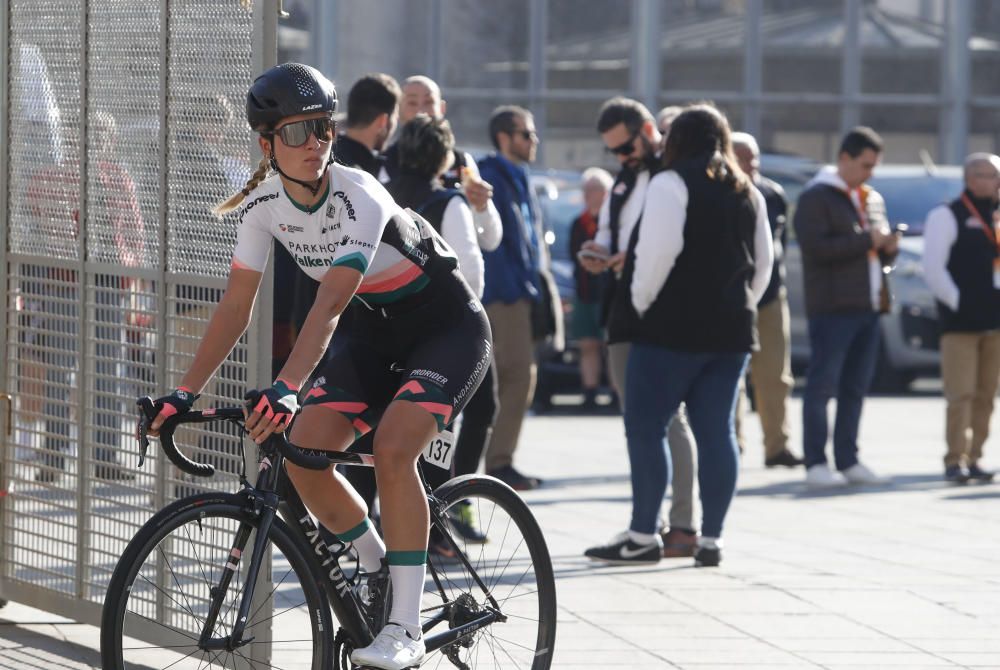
(286, 90)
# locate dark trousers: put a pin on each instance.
(844, 350)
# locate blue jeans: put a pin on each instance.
(842, 362)
(657, 380)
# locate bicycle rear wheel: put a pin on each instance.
(160, 595)
(511, 572)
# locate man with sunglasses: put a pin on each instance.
(629, 132)
(513, 283)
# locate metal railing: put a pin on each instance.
(123, 125)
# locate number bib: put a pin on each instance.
(441, 450)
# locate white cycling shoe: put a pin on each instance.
(392, 649)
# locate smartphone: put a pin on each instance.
(591, 253)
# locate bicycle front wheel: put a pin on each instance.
(159, 608)
(508, 578)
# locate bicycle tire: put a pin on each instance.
(158, 590)
(514, 564)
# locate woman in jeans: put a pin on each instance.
(697, 264)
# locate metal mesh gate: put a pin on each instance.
(123, 125)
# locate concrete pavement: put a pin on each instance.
(901, 575)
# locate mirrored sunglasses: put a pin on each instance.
(296, 134)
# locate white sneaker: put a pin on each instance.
(392, 649)
(822, 477)
(859, 473)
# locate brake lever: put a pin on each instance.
(147, 412)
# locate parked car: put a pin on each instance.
(909, 347)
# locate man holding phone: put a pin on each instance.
(847, 246)
(629, 132)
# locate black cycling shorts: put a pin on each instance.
(434, 352)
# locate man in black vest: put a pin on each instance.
(629, 132)
(771, 365)
(962, 268)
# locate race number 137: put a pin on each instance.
(441, 450)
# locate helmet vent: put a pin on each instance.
(303, 80)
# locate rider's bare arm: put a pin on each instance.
(335, 291)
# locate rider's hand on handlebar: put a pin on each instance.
(270, 410)
(178, 402)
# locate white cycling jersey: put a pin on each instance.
(357, 224)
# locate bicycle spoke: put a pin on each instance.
(162, 625)
(172, 599)
(270, 595)
(187, 609)
(287, 629)
(510, 571)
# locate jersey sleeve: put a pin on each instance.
(253, 241)
(373, 207)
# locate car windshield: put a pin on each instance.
(562, 202)
(909, 198)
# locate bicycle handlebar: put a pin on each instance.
(309, 459)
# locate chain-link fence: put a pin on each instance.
(123, 125)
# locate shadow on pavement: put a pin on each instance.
(564, 482)
(569, 566)
(539, 502)
(971, 493)
(897, 483)
(26, 649)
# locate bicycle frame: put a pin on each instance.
(274, 494)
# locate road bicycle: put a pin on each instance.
(247, 580)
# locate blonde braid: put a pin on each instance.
(263, 168)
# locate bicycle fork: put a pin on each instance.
(218, 593)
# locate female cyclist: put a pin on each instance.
(418, 349)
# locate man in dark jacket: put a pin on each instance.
(962, 268)
(771, 366)
(846, 243)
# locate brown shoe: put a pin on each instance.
(678, 543)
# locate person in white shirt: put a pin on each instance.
(962, 269)
(629, 133)
(695, 268)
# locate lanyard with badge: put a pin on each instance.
(991, 234)
(883, 298)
